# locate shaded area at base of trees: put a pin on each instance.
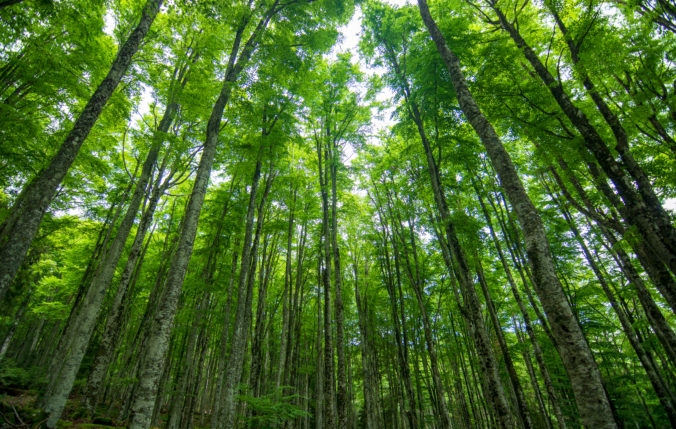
(463, 224)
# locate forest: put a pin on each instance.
(338, 214)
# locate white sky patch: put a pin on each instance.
(109, 23)
(143, 107)
(350, 35)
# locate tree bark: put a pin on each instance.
(593, 403)
(81, 327)
(143, 403)
(415, 280)
(330, 412)
(21, 225)
(333, 159)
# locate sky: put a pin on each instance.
(349, 42)
(350, 35)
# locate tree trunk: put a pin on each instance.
(142, 408)
(368, 364)
(319, 387)
(81, 327)
(402, 354)
(240, 333)
(21, 225)
(329, 380)
(509, 364)
(526, 317)
(415, 280)
(593, 403)
(286, 296)
(342, 397)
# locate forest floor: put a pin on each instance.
(18, 410)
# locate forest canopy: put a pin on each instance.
(235, 214)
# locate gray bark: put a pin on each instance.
(21, 225)
(593, 403)
(18, 317)
(319, 388)
(259, 333)
(220, 371)
(81, 327)
(329, 383)
(456, 262)
(415, 280)
(143, 403)
(191, 350)
(114, 320)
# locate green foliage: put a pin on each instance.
(272, 410)
(298, 100)
(13, 376)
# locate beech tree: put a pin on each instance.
(246, 214)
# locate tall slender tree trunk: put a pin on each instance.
(292, 356)
(286, 296)
(368, 364)
(333, 158)
(258, 339)
(455, 258)
(593, 403)
(19, 228)
(18, 317)
(324, 161)
(143, 403)
(225, 337)
(526, 421)
(81, 327)
(319, 387)
(98, 254)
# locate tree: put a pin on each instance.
(261, 233)
(20, 226)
